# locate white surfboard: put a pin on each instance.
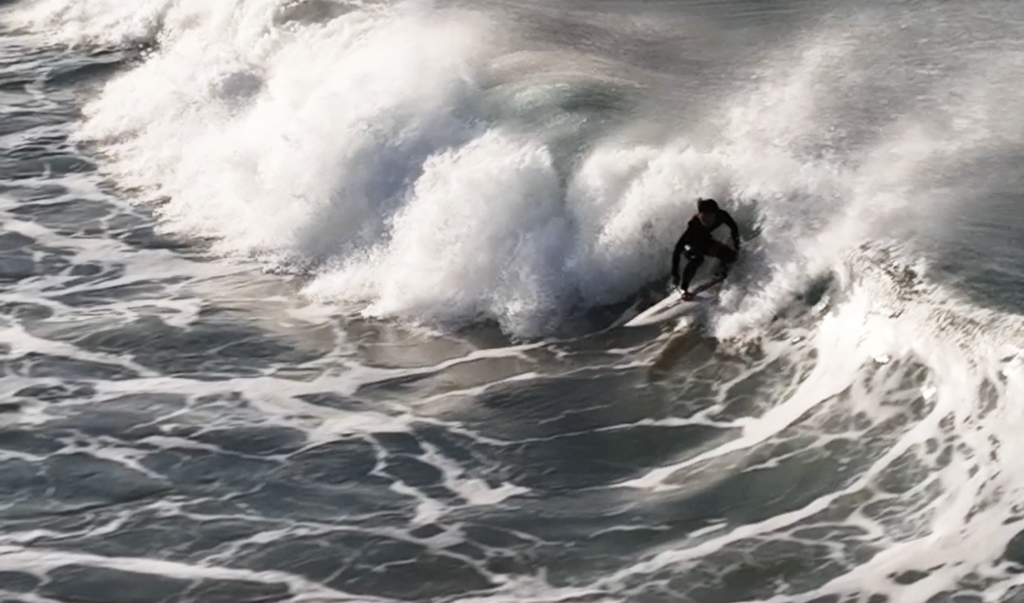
(673, 306)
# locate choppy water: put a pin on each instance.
(315, 301)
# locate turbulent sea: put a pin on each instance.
(320, 301)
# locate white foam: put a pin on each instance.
(367, 147)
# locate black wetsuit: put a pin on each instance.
(697, 242)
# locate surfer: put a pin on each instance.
(697, 242)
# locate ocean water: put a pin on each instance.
(316, 301)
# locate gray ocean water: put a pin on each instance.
(316, 301)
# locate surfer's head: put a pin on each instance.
(706, 210)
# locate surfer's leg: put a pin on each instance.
(691, 270)
(726, 256)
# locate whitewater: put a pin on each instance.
(317, 300)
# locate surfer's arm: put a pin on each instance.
(733, 228)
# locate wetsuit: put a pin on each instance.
(697, 242)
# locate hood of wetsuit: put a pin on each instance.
(707, 206)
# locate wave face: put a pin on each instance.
(844, 426)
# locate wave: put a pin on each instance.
(437, 164)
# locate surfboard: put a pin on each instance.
(673, 306)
